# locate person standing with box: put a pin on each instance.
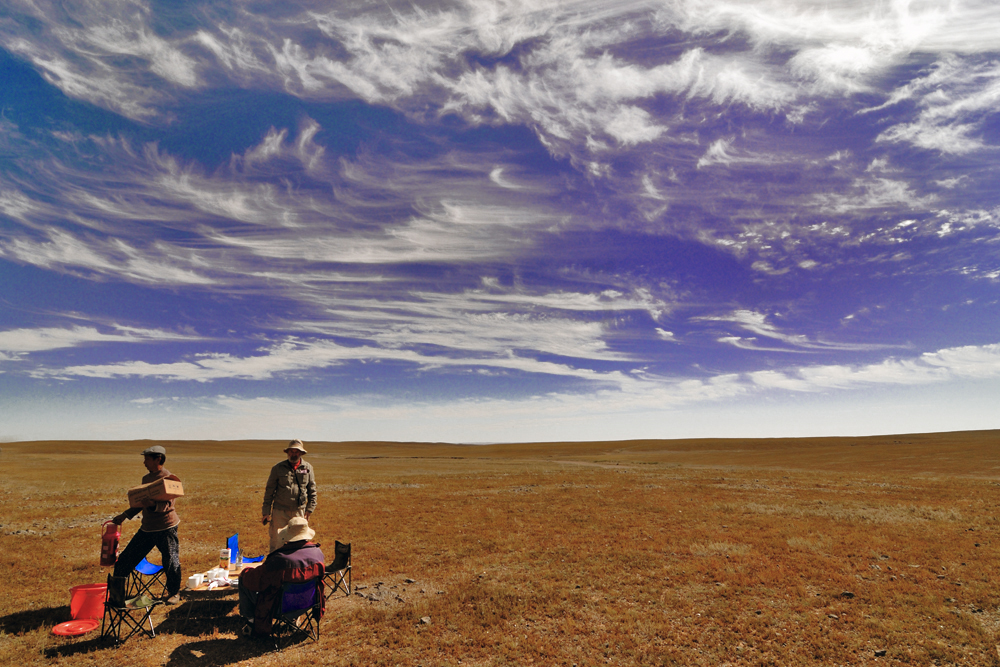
(290, 492)
(158, 529)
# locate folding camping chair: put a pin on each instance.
(233, 544)
(297, 611)
(338, 573)
(144, 578)
(125, 617)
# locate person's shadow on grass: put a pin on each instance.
(26, 621)
(95, 643)
(217, 652)
(196, 618)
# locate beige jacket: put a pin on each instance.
(290, 488)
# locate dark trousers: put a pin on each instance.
(139, 547)
(248, 602)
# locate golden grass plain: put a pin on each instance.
(816, 551)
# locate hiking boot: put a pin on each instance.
(171, 599)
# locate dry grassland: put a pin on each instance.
(869, 551)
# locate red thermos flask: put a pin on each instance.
(109, 543)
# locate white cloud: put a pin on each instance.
(958, 363)
(298, 356)
(502, 334)
(101, 53)
(942, 138)
(98, 83)
(123, 38)
(892, 27)
(234, 50)
(606, 301)
(954, 96)
(16, 205)
(465, 330)
(21, 341)
(363, 212)
(481, 323)
(869, 193)
(952, 183)
(496, 175)
(452, 231)
(632, 125)
(114, 257)
(716, 154)
(722, 152)
(969, 361)
(838, 68)
(571, 96)
(970, 219)
(962, 27)
(757, 323)
(666, 335)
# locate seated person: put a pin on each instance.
(297, 560)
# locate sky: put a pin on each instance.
(492, 221)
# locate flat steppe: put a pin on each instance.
(813, 551)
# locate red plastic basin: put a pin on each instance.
(87, 601)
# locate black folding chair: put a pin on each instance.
(338, 573)
(125, 617)
(297, 611)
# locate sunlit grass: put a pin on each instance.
(781, 552)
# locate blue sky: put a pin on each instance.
(486, 221)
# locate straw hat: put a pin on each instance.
(297, 529)
(296, 444)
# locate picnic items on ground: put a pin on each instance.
(226, 574)
(160, 490)
(217, 577)
(109, 543)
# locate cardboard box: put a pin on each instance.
(161, 489)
